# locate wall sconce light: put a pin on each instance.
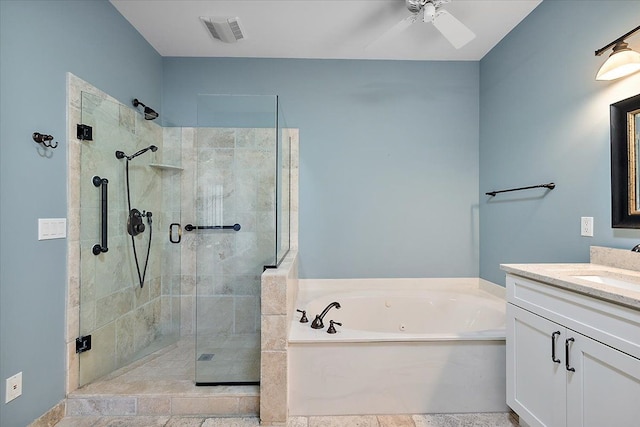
(622, 61)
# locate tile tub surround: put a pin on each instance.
(279, 292)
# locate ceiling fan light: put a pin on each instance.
(429, 12)
(622, 62)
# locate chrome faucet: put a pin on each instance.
(317, 322)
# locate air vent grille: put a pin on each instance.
(211, 29)
(235, 28)
(227, 30)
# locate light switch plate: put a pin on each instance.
(52, 228)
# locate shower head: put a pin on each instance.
(121, 155)
(149, 113)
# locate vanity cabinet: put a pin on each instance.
(572, 360)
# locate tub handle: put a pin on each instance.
(331, 329)
(566, 354)
(553, 346)
(303, 318)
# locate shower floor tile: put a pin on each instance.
(234, 358)
(161, 384)
(167, 372)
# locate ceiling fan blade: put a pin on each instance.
(453, 30)
(398, 28)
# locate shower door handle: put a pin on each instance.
(191, 227)
(102, 246)
(175, 224)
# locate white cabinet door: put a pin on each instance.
(604, 389)
(536, 385)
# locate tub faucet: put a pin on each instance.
(317, 322)
(636, 248)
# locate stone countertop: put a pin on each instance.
(564, 276)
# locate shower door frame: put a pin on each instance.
(245, 140)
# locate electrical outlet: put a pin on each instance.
(586, 226)
(14, 387)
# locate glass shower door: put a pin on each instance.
(235, 184)
(125, 320)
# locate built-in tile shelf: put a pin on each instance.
(166, 167)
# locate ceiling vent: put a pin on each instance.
(227, 30)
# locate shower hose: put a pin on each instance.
(133, 242)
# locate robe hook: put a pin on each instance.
(44, 139)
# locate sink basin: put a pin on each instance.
(611, 281)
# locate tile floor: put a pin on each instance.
(433, 420)
(170, 373)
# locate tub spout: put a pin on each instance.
(317, 322)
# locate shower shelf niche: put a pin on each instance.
(166, 167)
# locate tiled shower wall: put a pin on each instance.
(105, 298)
(229, 178)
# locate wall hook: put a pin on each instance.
(44, 139)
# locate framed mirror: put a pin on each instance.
(625, 163)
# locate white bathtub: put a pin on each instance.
(406, 346)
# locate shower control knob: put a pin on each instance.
(139, 228)
(135, 225)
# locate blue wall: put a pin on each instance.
(40, 41)
(388, 154)
(544, 118)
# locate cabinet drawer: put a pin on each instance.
(614, 325)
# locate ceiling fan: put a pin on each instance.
(431, 11)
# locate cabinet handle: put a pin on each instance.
(553, 346)
(566, 354)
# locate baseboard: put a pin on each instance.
(52, 417)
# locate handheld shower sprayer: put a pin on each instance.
(121, 155)
(135, 224)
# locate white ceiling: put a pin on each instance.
(336, 29)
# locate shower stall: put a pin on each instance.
(185, 226)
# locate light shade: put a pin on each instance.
(622, 62)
